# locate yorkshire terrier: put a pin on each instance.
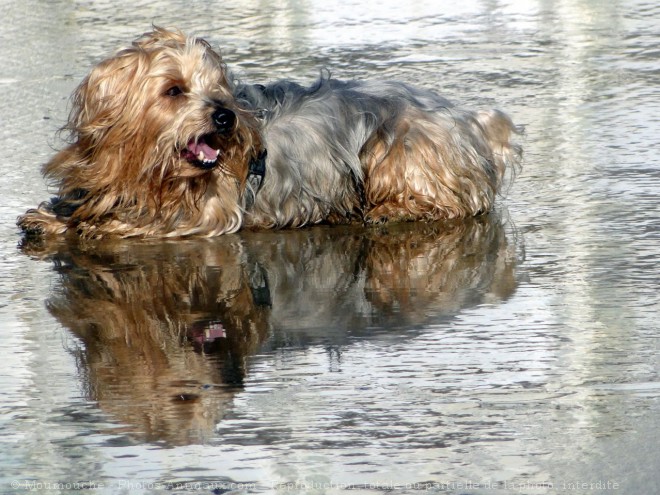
(164, 142)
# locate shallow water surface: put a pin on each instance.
(514, 353)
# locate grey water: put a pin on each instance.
(513, 353)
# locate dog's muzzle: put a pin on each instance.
(204, 151)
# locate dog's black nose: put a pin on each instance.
(224, 119)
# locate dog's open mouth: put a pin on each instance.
(203, 152)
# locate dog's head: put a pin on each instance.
(165, 101)
(158, 145)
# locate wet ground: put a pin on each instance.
(516, 353)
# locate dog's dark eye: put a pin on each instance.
(174, 91)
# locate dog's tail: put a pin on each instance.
(505, 153)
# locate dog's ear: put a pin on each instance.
(100, 101)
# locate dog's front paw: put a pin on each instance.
(40, 222)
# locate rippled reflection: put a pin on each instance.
(449, 358)
(166, 330)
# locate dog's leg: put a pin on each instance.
(432, 166)
(387, 192)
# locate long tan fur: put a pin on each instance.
(162, 141)
(122, 173)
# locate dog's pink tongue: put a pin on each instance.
(208, 153)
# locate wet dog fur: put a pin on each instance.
(164, 141)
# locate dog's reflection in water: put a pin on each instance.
(166, 328)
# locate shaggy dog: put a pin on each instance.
(165, 143)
